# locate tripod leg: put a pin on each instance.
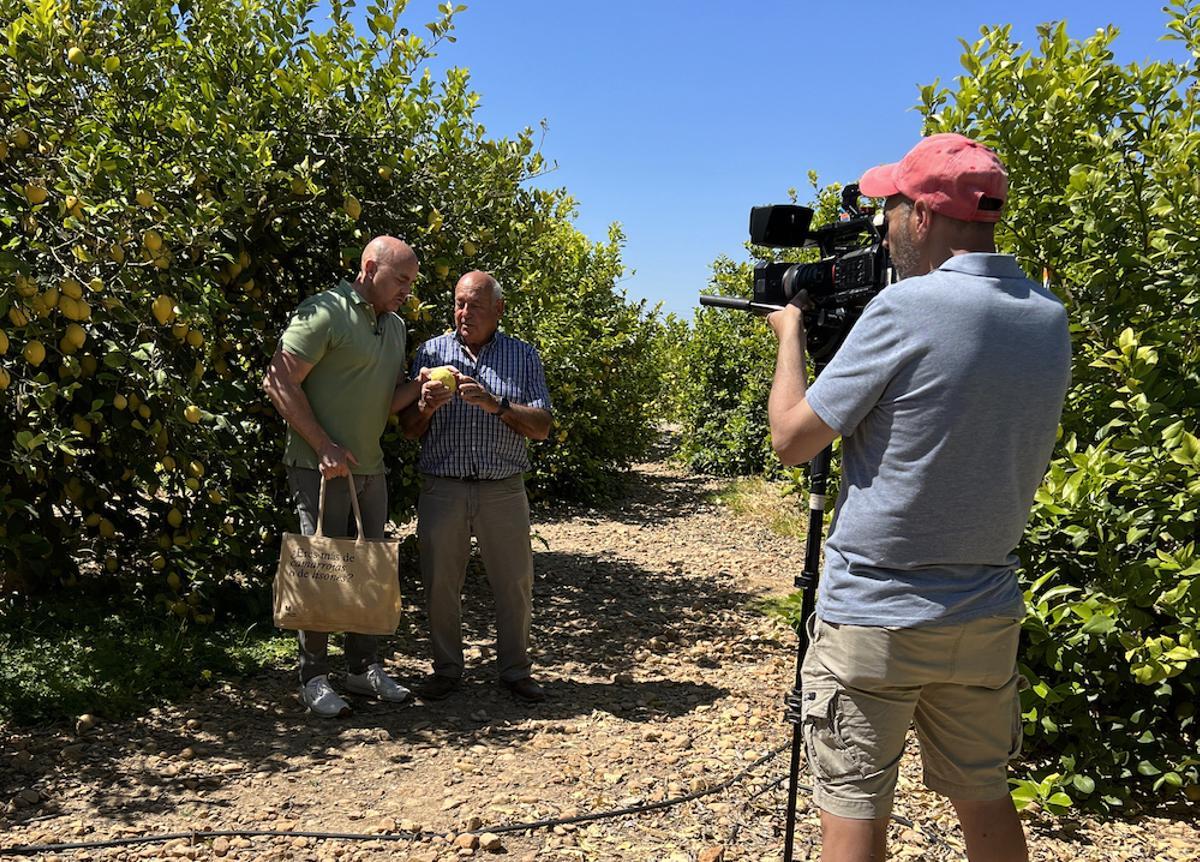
(807, 583)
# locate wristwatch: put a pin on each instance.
(504, 406)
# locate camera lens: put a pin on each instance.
(814, 277)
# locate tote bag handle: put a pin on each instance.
(353, 504)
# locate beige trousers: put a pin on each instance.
(496, 512)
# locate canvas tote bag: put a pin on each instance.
(338, 585)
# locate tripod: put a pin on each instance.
(806, 581)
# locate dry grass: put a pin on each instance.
(765, 502)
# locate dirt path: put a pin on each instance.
(664, 680)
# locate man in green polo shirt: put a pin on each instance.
(336, 376)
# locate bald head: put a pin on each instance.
(387, 249)
(385, 278)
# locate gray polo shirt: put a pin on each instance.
(948, 393)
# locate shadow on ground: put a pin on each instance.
(594, 614)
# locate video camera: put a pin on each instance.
(854, 266)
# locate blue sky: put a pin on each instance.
(674, 118)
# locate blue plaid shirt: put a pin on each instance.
(464, 441)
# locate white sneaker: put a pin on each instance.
(320, 698)
(377, 684)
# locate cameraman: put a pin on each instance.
(948, 393)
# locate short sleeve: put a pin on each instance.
(537, 394)
(309, 332)
(857, 377)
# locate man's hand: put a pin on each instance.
(788, 322)
(473, 392)
(434, 393)
(336, 460)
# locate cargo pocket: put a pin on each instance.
(1018, 723)
(830, 755)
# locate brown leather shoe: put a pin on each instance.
(437, 687)
(526, 688)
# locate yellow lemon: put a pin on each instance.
(385, 172)
(21, 139)
(74, 208)
(144, 411)
(120, 401)
(5, 379)
(152, 239)
(195, 338)
(196, 469)
(3, 342)
(180, 330)
(18, 316)
(352, 207)
(70, 287)
(35, 193)
(444, 374)
(96, 284)
(163, 309)
(111, 64)
(191, 413)
(75, 55)
(168, 463)
(144, 198)
(174, 517)
(173, 582)
(469, 248)
(76, 334)
(26, 286)
(34, 353)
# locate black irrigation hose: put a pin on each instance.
(32, 849)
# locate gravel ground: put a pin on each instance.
(664, 680)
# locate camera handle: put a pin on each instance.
(806, 581)
(738, 304)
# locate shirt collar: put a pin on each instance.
(983, 263)
(346, 289)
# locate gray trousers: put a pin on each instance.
(496, 512)
(361, 650)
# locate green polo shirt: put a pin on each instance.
(357, 359)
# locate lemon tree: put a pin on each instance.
(174, 179)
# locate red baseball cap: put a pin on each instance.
(956, 176)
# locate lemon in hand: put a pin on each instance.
(444, 375)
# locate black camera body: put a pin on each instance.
(854, 266)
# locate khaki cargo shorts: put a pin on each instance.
(864, 685)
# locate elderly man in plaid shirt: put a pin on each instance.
(473, 455)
